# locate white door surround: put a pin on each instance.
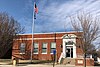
(69, 41)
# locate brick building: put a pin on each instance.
(65, 44)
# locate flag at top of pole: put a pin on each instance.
(35, 10)
(33, 26)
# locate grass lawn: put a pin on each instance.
(34, 61)
(9, 61)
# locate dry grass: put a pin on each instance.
(9, 61)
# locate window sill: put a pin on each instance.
(21, 53)
(44, 53)
(35, 53)
(51, 53)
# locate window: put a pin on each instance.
(44, 47)
(22, 48)
(53, 47)
(69, 43)
(35, 48)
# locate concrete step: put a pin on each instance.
(68, 61)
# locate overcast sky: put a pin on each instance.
(53, 15)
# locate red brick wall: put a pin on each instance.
(47, 56)
(79, 51)
(89, 62)
(40, 56)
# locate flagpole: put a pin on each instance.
(33, 21)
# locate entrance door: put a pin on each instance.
(69, 52)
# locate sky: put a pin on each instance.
(53, 15)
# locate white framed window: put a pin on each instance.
(44, 48)
(22, 48)
(35, 48)
(52, 47)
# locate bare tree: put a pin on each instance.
(98, 51)
(8, 30)
(89, 27)
(25, 51)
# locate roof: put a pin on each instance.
(49, 33)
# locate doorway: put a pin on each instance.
(69, 52)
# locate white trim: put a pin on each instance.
(36, 53)
(74, 51)
(21, 53)
(61, 56)
(64, 46)
(44, 53)
(69, 36)
(38, 38)
(98, 59)
(50, 33)
(69, 45)
(51, 53)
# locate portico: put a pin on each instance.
(69, 48)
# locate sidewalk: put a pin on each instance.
(41, 65)
(36, 63)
